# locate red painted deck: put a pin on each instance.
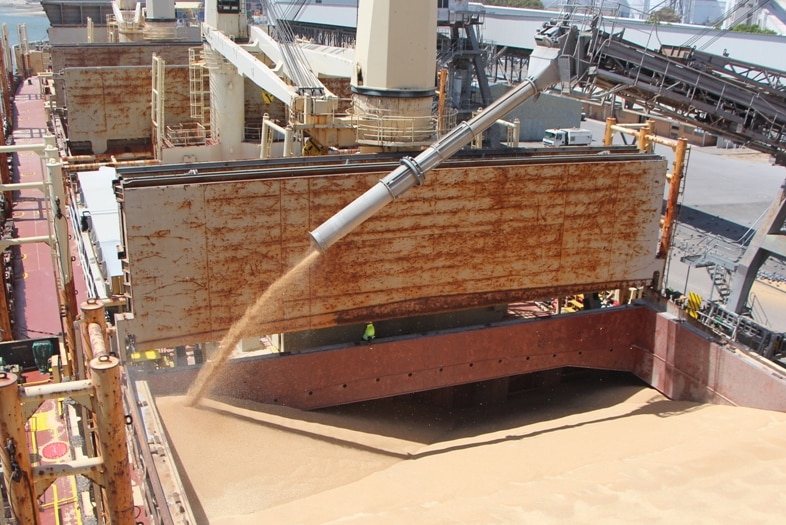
(37, 311)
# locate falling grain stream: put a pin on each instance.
(263, 308)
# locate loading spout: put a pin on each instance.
(412, 171)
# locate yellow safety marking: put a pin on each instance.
(53, 504)
(18, 214)
(694, 304)
(34, 443)
(40, 421)
(147, 355)
(25, 275)
(267, 98)
(75, 492)
(36, 425)
(24, 256)
(54, 498)
(57, 502)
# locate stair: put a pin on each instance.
(720, 281)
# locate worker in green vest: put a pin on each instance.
(370, 333)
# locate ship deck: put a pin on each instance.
(52, 431)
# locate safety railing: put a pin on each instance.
(252, 130)
(308, 110)
(162, 32)
(378, 129)
(743, 330)
(186, 134)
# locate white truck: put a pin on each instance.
(567, 137)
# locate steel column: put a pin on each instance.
(110, 427)
(757, 254)
(15, 454)
(226, 96)
(675, 183)
(608, 133)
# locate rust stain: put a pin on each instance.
(106, 55)
(114, 103)
(159, 234)
(467, 238)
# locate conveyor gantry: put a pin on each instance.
(738, 100)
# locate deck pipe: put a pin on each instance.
(544, 73)
(95, 338)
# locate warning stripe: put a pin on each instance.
(694, 304)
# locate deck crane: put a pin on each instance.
(278, 66)
(295, 63)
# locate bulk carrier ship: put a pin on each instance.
(224, 208)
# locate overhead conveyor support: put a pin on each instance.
(722, 98)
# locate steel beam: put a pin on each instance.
(249, 66)
(713, 98)
(769, 235)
